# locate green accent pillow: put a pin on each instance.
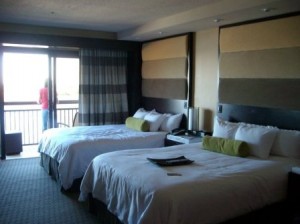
(226, 146)
(137, 124)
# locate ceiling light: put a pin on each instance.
(217, 20)
(266, 9)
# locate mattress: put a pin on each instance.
(74, 148)
(212, 189)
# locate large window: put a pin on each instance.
(67, 78)
(24, 73)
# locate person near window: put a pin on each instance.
(44, 101)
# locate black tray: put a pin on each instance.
(181, 160)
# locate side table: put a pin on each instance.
(13, 142)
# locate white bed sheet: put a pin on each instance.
(74, 148)
(213, 189)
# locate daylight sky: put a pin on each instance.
(24, 75)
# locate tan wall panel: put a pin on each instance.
(165, 69)
(278, 93)
(175, 47)
(165, 88)
(205, 87)
(276, 63)
(280, 33)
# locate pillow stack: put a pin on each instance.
(287, 144)
(263, 141)
(259, 138)
(156, 121)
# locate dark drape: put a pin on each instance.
(102, 87)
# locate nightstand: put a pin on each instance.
(294, 193)
(181, 139)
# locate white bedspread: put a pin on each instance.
(214, 188)
(74, 148)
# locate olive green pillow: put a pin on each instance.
(137, 124)
(226, 146)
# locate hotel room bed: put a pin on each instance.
(67, 152)
(213, 189)
(218, 186)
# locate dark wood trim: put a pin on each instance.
(2, 133)
(261, 20)
(281, 118)
(66, 41)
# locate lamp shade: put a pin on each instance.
(193, 119)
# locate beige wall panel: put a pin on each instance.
(175, 47)
(279, 33)
(205, 87)
(165, 88)
(165, 69)
(276, 63)
(278, 93)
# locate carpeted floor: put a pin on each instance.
(29, 196)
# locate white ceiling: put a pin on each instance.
(141, 20)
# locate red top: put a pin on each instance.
(44, 98)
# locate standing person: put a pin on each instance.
(44, 101)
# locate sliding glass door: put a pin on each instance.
(24, 72)
(66, 78)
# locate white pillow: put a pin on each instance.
(155, 119)
(224, 129)
(171, 122)
(259, 138)
(141, 113)
(287, 143)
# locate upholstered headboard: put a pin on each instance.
(259, 64)
(281, 118)
(166, 74)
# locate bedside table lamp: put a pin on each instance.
(193, 119)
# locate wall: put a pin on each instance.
(259, 66)
(206, 66)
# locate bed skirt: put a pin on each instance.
(276, 213)
(50, 165)
(99, 209)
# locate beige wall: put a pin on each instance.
(206, 65)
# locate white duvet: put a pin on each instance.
(74, 148)
(214, 188)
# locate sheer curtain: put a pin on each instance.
(102, 87)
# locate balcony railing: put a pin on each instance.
(27, 119)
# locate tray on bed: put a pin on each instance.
(176, 161)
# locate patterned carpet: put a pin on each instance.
(29, 196)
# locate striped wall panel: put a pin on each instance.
(260, 64)
(174, 68)
(175, 47)
(270, 63)
(280, 33)
(165, 88)
(165, 68)
(276, 93)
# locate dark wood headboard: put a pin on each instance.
(281, 118)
